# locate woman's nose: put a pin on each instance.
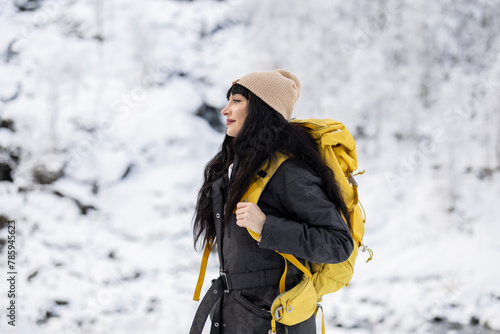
(225, 110)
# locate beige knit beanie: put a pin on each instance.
(279, 89)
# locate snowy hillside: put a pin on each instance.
(109, 111)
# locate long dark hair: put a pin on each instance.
(264, 133)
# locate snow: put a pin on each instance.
(107, 93)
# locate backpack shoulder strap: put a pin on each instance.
(260, 181)
(203, 270)
(252, 195)
(261, 178)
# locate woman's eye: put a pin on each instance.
(236, 100)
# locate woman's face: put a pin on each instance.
(235, 112)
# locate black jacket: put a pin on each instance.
(301, 220)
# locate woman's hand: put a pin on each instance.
(251, 216)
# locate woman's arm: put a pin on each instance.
(314, 230)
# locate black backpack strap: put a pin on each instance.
(212, 296)
(226, 283)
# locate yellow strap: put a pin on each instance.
(254, 235)
(323, 316)
(203, 270)
(364, 213)
(247, 197)
(283, 278)
(255, 190)
(273, 326)
(371, 255)
(293, 260)
(359, 173)
(366, 249)
(253, 193)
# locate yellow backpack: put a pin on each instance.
(338, 150)
(291, 307)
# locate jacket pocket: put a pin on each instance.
(253, 304)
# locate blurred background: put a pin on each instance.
(109, 111)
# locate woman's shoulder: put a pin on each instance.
(292, 170)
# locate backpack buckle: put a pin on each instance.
(225, 279)
(352, 181)
(277, 314)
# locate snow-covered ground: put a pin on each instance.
(99, 133)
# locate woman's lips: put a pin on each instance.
(229, 121)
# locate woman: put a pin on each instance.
(299, 211)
